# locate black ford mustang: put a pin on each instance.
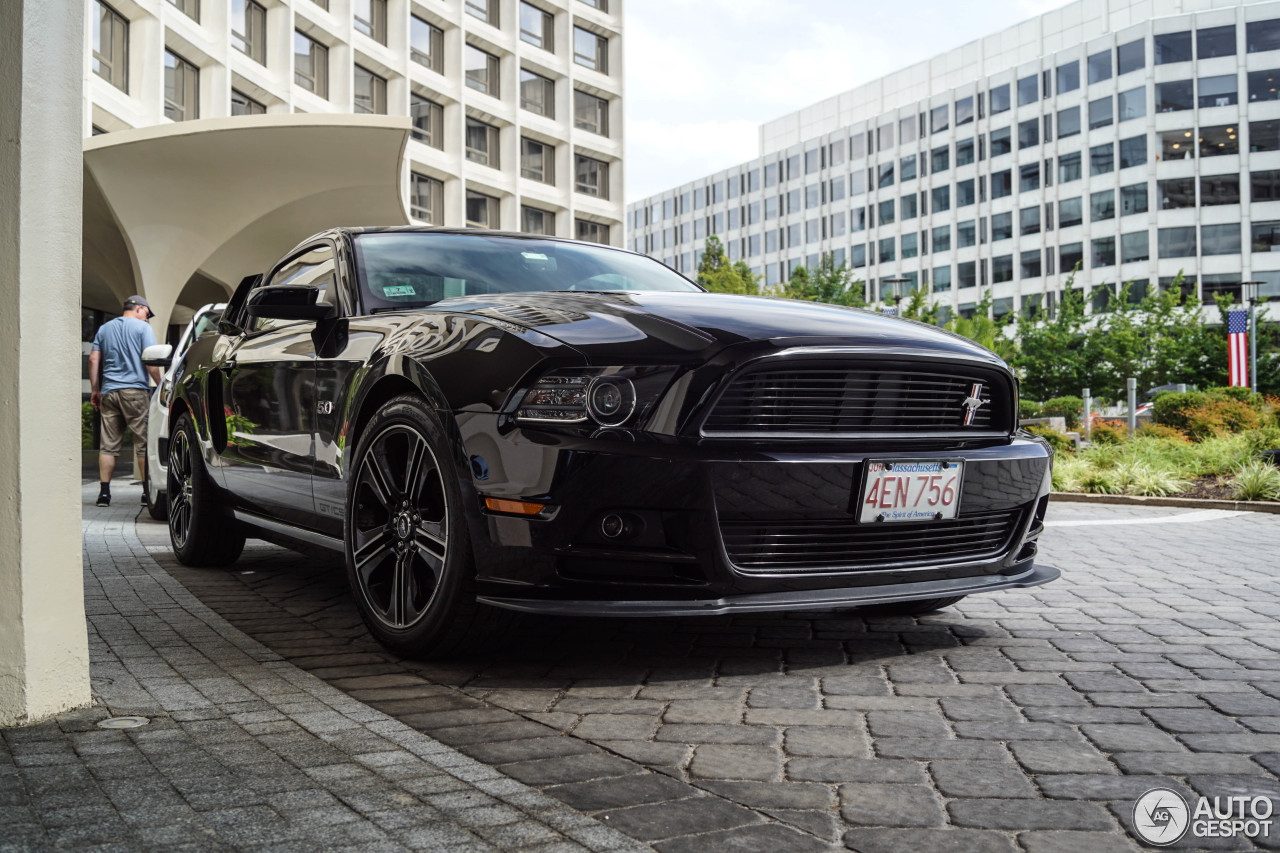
(486, 423)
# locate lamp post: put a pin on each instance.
(897, 291)
(1249, 290)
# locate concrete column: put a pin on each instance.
(44, 653)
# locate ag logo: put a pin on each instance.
(1161, 817)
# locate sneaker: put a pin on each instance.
(145, 502)
(104, 499)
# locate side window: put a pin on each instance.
(316, 267)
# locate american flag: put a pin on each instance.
(1238, 346)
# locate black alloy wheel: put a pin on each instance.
(408, 552)
(202, 530)
(400, 537)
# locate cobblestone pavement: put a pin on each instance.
(1014, 721)
(244, 751)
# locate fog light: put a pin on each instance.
(621, 526)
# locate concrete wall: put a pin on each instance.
(44, 656)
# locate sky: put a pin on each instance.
(703, 75)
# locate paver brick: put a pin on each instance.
(874, 804)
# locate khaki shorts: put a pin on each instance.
(121, 408)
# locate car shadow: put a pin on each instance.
(308, 593)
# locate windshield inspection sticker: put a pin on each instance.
(533, 256)
(399, 290)
(1162, 816)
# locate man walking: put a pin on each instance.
(120, 389)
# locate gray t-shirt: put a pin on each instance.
(121, 342)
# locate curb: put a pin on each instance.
(1189, 503)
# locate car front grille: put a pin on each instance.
(845, 545)
(841, 400)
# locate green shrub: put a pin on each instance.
(1240, 395)
(1151, 429)
(1171, 408)
(1101, 482)
(1028, 409)
(1144, 478)
(1108, 432)
(1256, 480)
(1263, 438)
(1218, 416)
(1069, 472)
(1059, 442)
(1070, 408)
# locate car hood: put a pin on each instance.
(688, 327)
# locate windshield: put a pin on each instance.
(410, 270)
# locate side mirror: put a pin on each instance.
(290, 302)
(157, 355)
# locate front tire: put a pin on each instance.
(202, 530)
(408, 552)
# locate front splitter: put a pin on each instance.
(823, 599)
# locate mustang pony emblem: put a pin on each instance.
(972, 403)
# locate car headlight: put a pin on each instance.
(591, 397)
(166, 391)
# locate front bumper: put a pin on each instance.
(686, 495)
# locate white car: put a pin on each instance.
(157, 472)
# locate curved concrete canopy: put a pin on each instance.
(226, 197)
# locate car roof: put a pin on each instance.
(355, 230)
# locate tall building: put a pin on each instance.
(516, 104)
(1131, 139)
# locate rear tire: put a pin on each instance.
(408, 552)
(910, 608)
(202, 530)
(158, 506)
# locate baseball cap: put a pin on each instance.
(134, 301)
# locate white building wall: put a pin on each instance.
(157, 25)
(825, 183)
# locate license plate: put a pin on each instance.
(910, 490)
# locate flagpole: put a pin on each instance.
(1250, 289)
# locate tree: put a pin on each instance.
(718, 275)
(918, 309)
(983, 330)
(828, 283)
(1056, 349)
